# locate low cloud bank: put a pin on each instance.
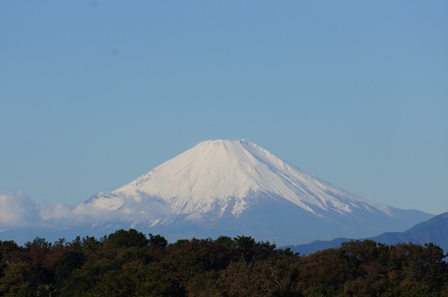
(18, 210)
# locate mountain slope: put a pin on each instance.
(434, 230)
(216, 175)
(223, 187)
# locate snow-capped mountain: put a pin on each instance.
(223, 187)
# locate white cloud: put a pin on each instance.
(62, 215)
(59, 211)
(18, 210)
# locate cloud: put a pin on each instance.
(18, 210)
(112, 207)
(62, 215)
(58, 211)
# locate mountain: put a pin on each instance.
(434, 230)
(223, 187)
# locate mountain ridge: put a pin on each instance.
(233, 187)
(215, 172)
(434, 230)
(231, 184)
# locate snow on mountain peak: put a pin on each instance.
(234, 187)
(227, 176)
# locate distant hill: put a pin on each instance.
(434, 230)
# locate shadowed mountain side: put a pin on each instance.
(266, 219)
(434, 230)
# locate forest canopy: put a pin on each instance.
(129, 263)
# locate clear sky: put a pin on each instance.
(95, 93)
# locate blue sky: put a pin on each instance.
(95, 93)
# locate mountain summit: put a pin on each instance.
(224, 187)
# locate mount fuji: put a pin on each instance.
(223, 187)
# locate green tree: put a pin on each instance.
(126, 238)
(68, 262)
(157, 241)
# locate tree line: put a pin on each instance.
(129, 263)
